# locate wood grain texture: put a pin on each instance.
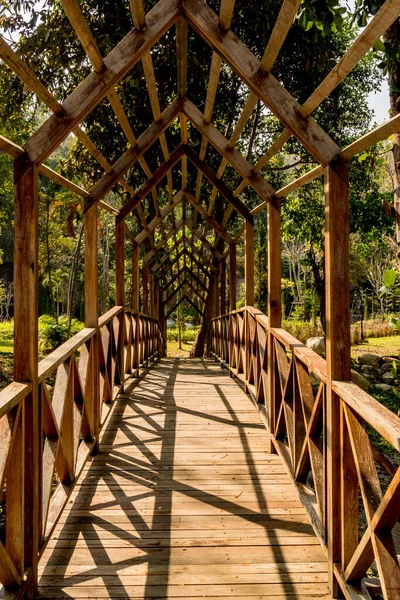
(183, 501)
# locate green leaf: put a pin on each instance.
(389, 278)
(379, 45)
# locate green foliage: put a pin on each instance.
(53, 334)
(187, 335)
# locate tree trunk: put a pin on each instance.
(52, 301)
(72, 280)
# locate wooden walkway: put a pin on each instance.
(184, 502)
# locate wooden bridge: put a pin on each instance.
(248, 470)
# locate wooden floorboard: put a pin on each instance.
(183, 501)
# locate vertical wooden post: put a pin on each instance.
(232, 276)
(249, 263)
(216, 294)
(120, 263)
(274, 303)
(91, 311)
(249, 292)
(120, 292)
(23, 530)
(223, 286)
(151, 294)
(157, 300)
(338, 364)
(145, 288)
(135, 276)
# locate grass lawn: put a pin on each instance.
(385, 346)
(173, 349)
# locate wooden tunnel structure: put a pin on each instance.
(52, 428)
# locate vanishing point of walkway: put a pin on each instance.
(184, 502)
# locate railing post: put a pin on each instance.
(338, 363)
(232, 296)
(249, 263)
(135, 276)
(223, 286)
(232, 276)
(23, 529)
(92, 313)
(145, 288)
(120, 292)
(249, 292)
(274, 304)
(135, 304)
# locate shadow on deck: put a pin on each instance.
(183, 501)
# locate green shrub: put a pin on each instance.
(53, 334)
(7, 330)
(302, 330)
(187, 335)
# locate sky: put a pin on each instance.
(379, 102)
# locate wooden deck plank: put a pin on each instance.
(183, 501)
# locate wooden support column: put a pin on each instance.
(120, 292)
(151, 294)
(120, 263)
(135, 276)
(232, 276)
(91, 313)
(145, 289)
(249, 263)
(223, 286)
(338, 364)
(274, 304)
(216, 294)
(135, 304)
(23, 528)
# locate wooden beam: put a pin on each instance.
(135, 277)
(222, 265)
(119, 263)
(91, 292)
(148, 185)
(212, 177)
(175, 291)
(380, 133)
(25, 529)
(232, 276)
(196, 308)
(128, 159)
(91, 91)
(204, 214)
(204, 20)
(338, 363)
(161, 244)
(200, 236)
(372, 32)
(274, 307)
(249, 264)
(281, 28)
(157, 220)
(220, 143)
(145, 288)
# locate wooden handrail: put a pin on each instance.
(81, 378)
(298, 429)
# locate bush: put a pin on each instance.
(6, 330)
(187, 335)
(302, 330)
(53, 334)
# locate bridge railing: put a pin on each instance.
(77, 385)
(288, 382)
